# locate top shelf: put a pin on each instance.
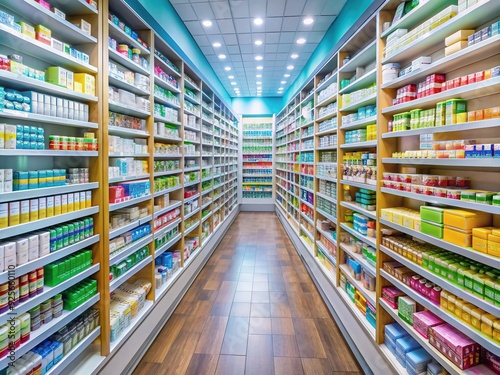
(60, 27)
(362, 58)
(122, 37)
(468, 19)
(425, 10)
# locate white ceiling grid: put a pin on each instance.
(233, 27)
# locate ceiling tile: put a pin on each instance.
(284, 47)
(270, 48)
(258, 8)
(272, 38)
(195, 28)
(221, 9)
(245, 38)
(202, 41)
(290, 23)
(203, 11)
(186, 12)
(239, 8)
(272, 24)
(275, 8)
(242, 25)
(233, 49)
(226, 26)
(287, 37)
(294, 8)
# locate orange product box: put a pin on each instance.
(479, 115)
(471, 116)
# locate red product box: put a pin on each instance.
(456, 82)
(480, 76)
(116, 194)
(436, 78)
(41, 37)
(472, 78)
(464, 80)
(391, 295)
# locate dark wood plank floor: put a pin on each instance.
(252, 310)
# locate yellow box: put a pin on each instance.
(43, 30)
(455, 47)
(77, 86)
(64, 203)
(496, 232)
(14, 213)
(27, 29)
(457, 237)
(482, 232)
(50, 206)
(57, 205)
(25, 212)
(87, 81)
(397, 218)
(480, 244)
(487, 321)
(458, 36)
(408, 222)
(476, 315)
(467, 313)
(466, 220)
(386, 214)
(451, 303)
(496, 331)
(33, 209)
(493, 247)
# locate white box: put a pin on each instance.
(33, 254)
(22, 246)
(44, 238)
(8, 174)
(2, 252)
(9, 249)
(34, 241)
(7, 186)
(22, 257)
(10, 261)
(2, 264)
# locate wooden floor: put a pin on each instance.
(252, 310)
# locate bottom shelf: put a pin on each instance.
(164, 288)
(359, 316)
(445, 362)
(115, 345)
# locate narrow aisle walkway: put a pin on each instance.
(252, 310)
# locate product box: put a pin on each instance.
(458, 237)
(423, 320)
(56, 75)
(43, 34)
(466, 220)
(432, 229)
(456, 47)
(27, 29)
(432, 214)
(87, 81)
(461, 35)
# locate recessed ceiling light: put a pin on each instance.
(258, 58)
(230, 77)
(258, 42)
(308, 21)
(259, 76)
(258, 83)
(294, 56)
(301, 41)
(233, 83)
(290, 67)
(258, 21)
(227, 68)
(207, 23)
(222, 56)
(259, 88)
(283, 82)
(260, 67)
(287, 75)
(259, 94)
(217, 45)
(281, 89)
(238, 94)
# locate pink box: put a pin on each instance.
(43, 3)
(456, 346)
(491, 361)
(390, 295)
(423, 320)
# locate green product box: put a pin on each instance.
(51, 274)
(406, 308)
(432, 229)
(432, 214)
(478, 285)
(468, 280)
(75, 266)
(350, 290)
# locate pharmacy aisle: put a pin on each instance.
(253, 309)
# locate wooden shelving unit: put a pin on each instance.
(342, 75)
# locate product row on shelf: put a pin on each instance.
(118, 165)
(387, 172)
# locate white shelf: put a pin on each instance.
(167, 139)
(206, 217)
(365, 56)
(167, 245)
(324, 250)
(167, 156)
(323, 118)
(443, 283)
(47, 330)
(23, 44)
(48, 292)
(44, 223)
(359, 258)
(43, 192)
(192, 183)
(359, 316)
(327, 197)
(168, 173)
(173, 204)
(35, 118)
(359, 185)
(124, 253)
(165, 120)
(327, 216)
(125, 155)
(362, 82)
(128, 227)
(167, 85)
(467, 56)
(326, 132)
(117, 130)
(168, 69)
(192, 228)
(327, 235)
(115, 283)
(126, 110)
(168, 284)
(127, 332)
(356, 207)
(447, 317)
(158, 193)
(191, 214)
(359, 124)
(311, 206)
(308, 234)
(167, 228)
(359, 145)
(370, 99)
(464, 251)
(130, 202)
(169, 103)
(126, 62)
(445, 362)
(326, 82)
(446, 201)
(126, 86)
(369, 295)
(48, 153)
(310, 221)
(368, 240)
(128, 178)
(49, 258)
(331, 99)
(123, 38)
(467, 162)
(331, 179)
(472, 91)
(22, 83)
(470, 18)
